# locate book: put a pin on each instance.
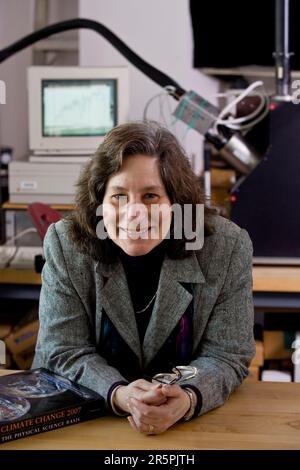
(38, 400)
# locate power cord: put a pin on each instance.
(251, 119)
(21, 234)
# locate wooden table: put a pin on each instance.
(259, 415)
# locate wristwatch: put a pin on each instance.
(193, 402)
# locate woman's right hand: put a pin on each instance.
(147, 392)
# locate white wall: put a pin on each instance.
(16, 20)
(161, 33)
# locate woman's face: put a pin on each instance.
(136, 208)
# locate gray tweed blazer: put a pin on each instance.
(73, 294)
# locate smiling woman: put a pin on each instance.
(130, 300)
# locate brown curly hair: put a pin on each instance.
(181, 184)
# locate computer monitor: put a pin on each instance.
(72, 108)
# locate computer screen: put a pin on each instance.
(72, 108)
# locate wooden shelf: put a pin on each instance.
(17, 206)
(247, 71)
(19, 276)
(276, 279)
(265, 279)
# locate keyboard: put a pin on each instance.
(6, 255)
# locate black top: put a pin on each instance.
(142, 274)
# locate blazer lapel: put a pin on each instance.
(116, 301)
(171, 302)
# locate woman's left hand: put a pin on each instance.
(149, 419)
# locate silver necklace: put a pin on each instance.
(144, 309)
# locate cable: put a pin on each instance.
(145, 117)
(252, 123)
(254, 113)
(156, 75)
(21, 234)
(245, 93)
(165, 95)
(234, 123)
(163, 100)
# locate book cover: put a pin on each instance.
(38, 400)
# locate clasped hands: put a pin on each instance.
(153, 407)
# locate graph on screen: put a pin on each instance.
(78, 107)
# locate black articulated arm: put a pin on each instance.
(154, 74)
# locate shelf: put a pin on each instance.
(17, 206)
(247, 71)
(19, 276)
(276, 279)
(265, 279)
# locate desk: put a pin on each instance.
(259, 415)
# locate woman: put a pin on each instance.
(126, 295)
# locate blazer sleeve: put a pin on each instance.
(227, 345)
(66, 341)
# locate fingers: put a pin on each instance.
(140, 389)
(144, 411)
(149, 418)
(147, 392)
(170, 391)
(148, 429)
(143, 384)
(144, 427)
(176, 405)
(151, 397)
(132, 423)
